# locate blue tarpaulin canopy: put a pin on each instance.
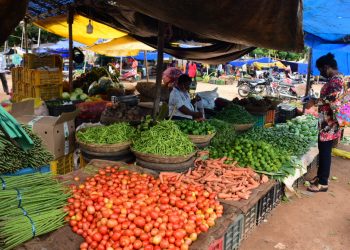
(151, 56)
(239, 63)
(327, 29)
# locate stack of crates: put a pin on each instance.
(41, 77)
(270, 118)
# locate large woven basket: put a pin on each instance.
(243, 127)
(104, 148)
(199, 139)
(162, 159)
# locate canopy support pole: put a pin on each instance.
(308, 82)
(70, 20)
(146, 64)
(160, 49)
(39, 34)
(25, 28)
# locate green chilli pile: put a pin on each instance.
(112, 134)
(235, 114)
(195, 128)
(165, 139)
(13, 158)
(30, 205)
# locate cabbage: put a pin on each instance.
(73, 97)
(65, 95)
(78, 91)
(83, 97)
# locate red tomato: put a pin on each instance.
(137, 244)
(97, 237)
(103, 230)
(124, 241)
(164, 200)
(140, 221)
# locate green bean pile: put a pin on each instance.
(164, 139)
(13, 158)
(112, 134)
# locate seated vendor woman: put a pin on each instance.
(181, 107)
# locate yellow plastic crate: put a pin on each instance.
(46, 92)
(62, 165)
(32, 61)
(36, 77)
(82, 162)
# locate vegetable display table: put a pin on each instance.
(301, 170)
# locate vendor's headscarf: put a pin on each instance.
(170, 76)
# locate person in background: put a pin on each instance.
(327, 124)
(181, 107)
(192, 71)
(219, 70)
(228, 68)
(3, 74)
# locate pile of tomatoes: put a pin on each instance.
(122, 210)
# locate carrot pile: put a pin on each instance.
(229, 181)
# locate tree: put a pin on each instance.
(33, 31)
(283, 55)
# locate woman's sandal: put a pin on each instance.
(314, 181)
(318, 188)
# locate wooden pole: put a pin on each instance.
(160, 49)
(25, 35)
(146, 64)
(70, 21)
(308, 82)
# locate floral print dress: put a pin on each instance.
(327, 123)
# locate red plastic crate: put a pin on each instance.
(270, 116)
(217, 245)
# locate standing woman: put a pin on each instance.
(327, 124)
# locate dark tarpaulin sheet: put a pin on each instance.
(233, 28)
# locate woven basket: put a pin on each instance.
(243, 127)
(201, 138)
(104, 148)
(162, 159)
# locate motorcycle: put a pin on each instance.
(129, 75)
(281, 89)
(252, 86)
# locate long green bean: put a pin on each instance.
(164, 139)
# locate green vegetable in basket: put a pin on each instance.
(195, 128)
(112, 134)
(235, 114)
(164, 139)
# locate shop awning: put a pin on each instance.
(260, 66)
(59, 26)
(124, 46)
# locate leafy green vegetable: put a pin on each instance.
(235, 114)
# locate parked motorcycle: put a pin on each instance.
(281, 89)
(129, 75)
(252, 86)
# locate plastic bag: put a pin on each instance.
(208, 98)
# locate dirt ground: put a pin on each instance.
(313, 221)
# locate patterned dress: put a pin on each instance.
(327, 123)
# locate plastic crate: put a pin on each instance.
(30, 170)
(56, 107)
(47, 92)
(63, 165)
(270, 116)
(217, 245)
(250, 220)
(37, 77)
(234, 234)
(260, 120)
(286, 112)
(278, 193)
(265, 205)
(32, 61)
